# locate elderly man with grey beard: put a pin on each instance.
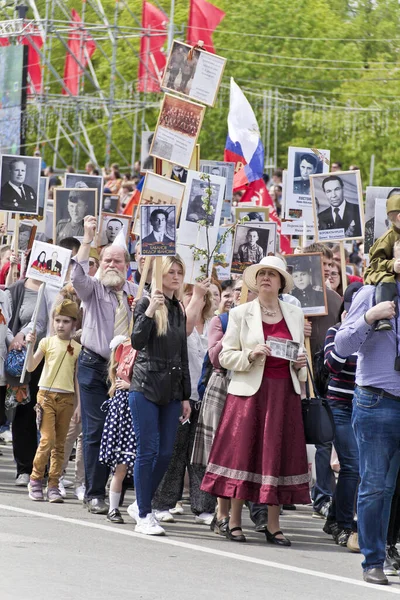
(106, 303)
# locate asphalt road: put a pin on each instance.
(61, 552)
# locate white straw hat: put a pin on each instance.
(273, 262)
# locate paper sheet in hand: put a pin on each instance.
(282, 348)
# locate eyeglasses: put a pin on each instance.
(334, 275)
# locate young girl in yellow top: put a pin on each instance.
(55, 399)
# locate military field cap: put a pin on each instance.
(301, 263)
(393, 203)
(67, 308)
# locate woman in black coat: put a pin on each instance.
(160, 388)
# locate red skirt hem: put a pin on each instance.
(225, 487)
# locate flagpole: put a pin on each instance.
(171, 25)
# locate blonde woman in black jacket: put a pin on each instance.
(160, 388)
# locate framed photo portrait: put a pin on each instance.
(308, 276)
(251, 244)
(48, 263)
(376, 220)
(193, 209)
(73, 180)
(177, 130)
(302, 163)
(260, 214)
(110, 226)
(146, 161)
(160, 191)
(338, 206)
(110, 203)
(223, 169)
(196, 74)
(176, 172)
(71, 205)
(20, 184)
(158, 230)
(26, 235)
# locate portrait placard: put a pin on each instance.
(146, 161)
(76, 180)
(338, 206)
(71, 205)
(161, 191)
(259, 214)
(48, 263)
(376, 221)
(176, 172)
(302, 162)
(193, 207)
(111, 225)
(196, 74)
(110, 203)
(308, 276)
(38, 220)
(223, 169)
(223, 268)
(26, 235)
(251, 244)
(158, 230)
(283, 348)
(177, 130)
(20, 184)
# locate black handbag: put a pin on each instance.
(319, 426)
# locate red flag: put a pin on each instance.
(152, 60)
(256, 191)
(204, 18)
(132, 202)
(81, 47)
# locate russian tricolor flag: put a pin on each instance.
(243, 144)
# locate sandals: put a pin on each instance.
(234, 538)
(219, 526)
(272, 539)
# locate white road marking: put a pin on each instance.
(165, 540)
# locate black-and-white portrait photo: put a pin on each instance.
(90, 181)
(259, 214)
(146, 161)
(337, 202)
(195, 210)
(178, 173)
(26, 236)
(307, 272)
(158, 230)
(70, 208)
(180, 71)
(249, 247)
(110, 227)
(305, 164)
(223, 169)
(110, 203)
(19, 184)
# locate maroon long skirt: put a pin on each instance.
(259, 450)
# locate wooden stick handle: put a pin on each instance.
(244, 293)
(158, 267)
(343, 267)
(143, 277)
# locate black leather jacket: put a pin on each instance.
(161, 369)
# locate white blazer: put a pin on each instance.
(244, 332)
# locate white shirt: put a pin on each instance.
(197, 347)
(159, 236)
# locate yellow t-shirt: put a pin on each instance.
(54, 377)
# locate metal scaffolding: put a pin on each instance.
(69, 124)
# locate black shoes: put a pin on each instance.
(376, 576)
(260, 522)
(115, 517)
(219, 526)
(289, 507)
(235, 538)
(97, 506)
(272, 539)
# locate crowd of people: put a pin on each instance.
(180, 379)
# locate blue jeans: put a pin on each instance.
(92, 379)
(376, 424)
(325, 479)
(347, 450)
(155, 429)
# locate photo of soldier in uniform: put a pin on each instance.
(307, 272)
(337, 201)
(249, 247)
(110, 203)
(70, 208)
(195, 211)
(73, 180)
(19, 184)
(307, 164)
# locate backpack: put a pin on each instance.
(207, 367)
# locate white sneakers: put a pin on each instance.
(6, 436)
(149, 526)
(177, 510)
(80, 492)
(133, 511)
(61, 488)
(164, 516)
(204, 518)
